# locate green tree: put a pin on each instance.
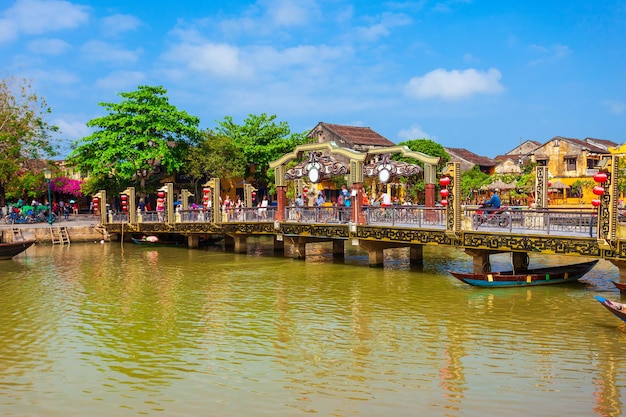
(472, 181)
(142, 135)
(24, 134)
(430, 148)
(215, 157)
(261, 141)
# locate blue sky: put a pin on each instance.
(474, 74)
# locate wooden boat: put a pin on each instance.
(541, 276)
(621, 287)
(9, 250)
(618, 309)
(147, 242)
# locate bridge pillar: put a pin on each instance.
(621, 266)
(338, 249)
(281, 203)
(229, 243)
(241, 243)
(299, 247)
(480, 260)
(520, 261)
(279, 246)
(193, 241)
(416, 255)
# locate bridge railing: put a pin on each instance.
(545, 221)
(324, 214)
(405, 215)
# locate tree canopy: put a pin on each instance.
(142, 135)
(24, 136)
(261, 141)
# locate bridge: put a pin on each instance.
(594, 232)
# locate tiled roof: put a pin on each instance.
(471, 157)
(358, 135)
(581, 143)
(602, 142)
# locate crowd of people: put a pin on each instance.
(37, 211)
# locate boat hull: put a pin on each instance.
(567, 274)
(142, 242)
(617, 309)
(9, 250)
(621, 287)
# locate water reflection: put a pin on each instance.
(99, 328)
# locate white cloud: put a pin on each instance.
(8, 30)
(121, 80)
(615, 106)
(57, 77)
(41, 16)
(290, 12)
(103, 51)
(414, 132)
(218, 59)
(548, 54)
(48, 46)
(383, 28)
(73, 129)
(119, 23)
(455, 84)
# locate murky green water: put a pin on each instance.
(103, 330)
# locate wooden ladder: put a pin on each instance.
(17, 234)
(60, 235)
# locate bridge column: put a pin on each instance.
(193, 241)
(229, 243)
(299, 247)
(520, 261)
(480, 260)
(281, 203)
(416, 255)
(338, 249)
(621, 266)
(279, 246)
(241, 243)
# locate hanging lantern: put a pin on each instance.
(596, 203)
(206, 190)
(549, 183)
(597, 190)
(444, 203)
(444, 181)
(444, 192)
(161, 194)
(124, 197)
(305, 190)
(600, 177)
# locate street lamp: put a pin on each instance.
(48, 175)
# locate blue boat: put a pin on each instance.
(565, 274)
(618, 309)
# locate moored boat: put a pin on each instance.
(620, 286)
(565, 274)
(154, 241)
(618, 309)
(11, 249)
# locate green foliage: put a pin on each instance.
(24, 135)
(261, 141)
(472, 181)
(142, 133)
(216, 156)
(579, 187)
(414, 186)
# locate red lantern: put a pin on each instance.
(206, 190)
(444, 181)
(444, 192)
(597, 190)
(124, 197)
(95, 204)
(305, 190)
(596, 203)
(600, 177)
(161, 194)
(549, 183)
(253, 194)
(205, 197)
(444, 203)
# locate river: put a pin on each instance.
(109, 329)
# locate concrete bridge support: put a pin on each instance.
(375, 251)
(241, 243)
(338, 249)
(416, 256)
(621, 266)
(193, 241)
(482, 264)
(279, 246)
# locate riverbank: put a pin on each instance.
(81, 228)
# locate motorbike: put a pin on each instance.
(490, 216)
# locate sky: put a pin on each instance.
(483, 75)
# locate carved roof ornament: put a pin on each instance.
(317, 168)
(386, 168)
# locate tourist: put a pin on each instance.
(263, 207)
(494, 201)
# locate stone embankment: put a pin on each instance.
(81, 228)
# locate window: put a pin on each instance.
(542, 162)
(570, 164)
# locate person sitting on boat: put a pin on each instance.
(494, 201)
